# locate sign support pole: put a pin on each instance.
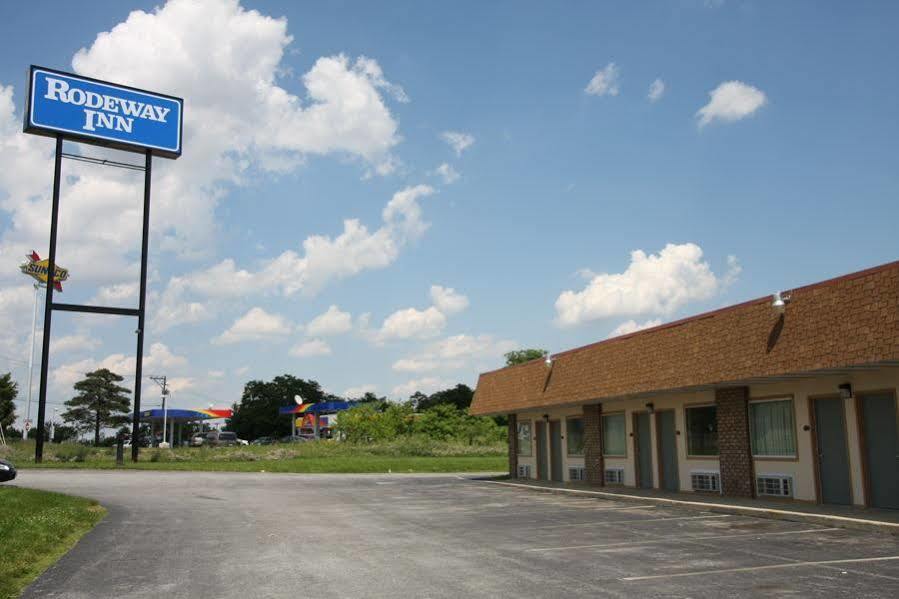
(37, 287)
(48, 305)
(138, 365)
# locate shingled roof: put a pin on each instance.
(837, 324)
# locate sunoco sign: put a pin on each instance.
(92, 111)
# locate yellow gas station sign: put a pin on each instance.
(39, 269)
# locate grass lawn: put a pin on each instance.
(36, 529)
(408, 455)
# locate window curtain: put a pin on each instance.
(524, 438)
(575, 436)
(771, 424)
(613, 435)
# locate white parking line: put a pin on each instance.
(633, 521)
(769, 567)
(685, 539)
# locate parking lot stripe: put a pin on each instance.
(607, 522)
(684, 539)
(768, 567)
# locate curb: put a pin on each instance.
(722, 508)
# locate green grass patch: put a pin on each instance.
(36, 529)
(407, 455)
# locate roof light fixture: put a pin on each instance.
(779, 302)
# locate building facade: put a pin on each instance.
(792, 396)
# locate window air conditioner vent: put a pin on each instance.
(774, 485)
(576, 474)
(614, 476)
(706, 481)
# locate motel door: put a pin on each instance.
(833, 455)
(644, 450)
(542, 470)
(555, 448)
(881, 449)
(668, 449)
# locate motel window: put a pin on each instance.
(613, 435)
(524, 438)
(574, 436)
(702, 431)
(772, 429)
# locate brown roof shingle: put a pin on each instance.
(850, 320)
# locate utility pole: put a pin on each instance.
(162, 382)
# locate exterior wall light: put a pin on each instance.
(651, 407)
(845, 391)
(779, 302)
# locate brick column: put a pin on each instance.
(593, 463)
(734, 453)
(513, 446)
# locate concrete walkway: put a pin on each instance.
(842, 516)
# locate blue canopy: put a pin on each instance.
(324, 407)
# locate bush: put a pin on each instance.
(445, 422)
(72, 453)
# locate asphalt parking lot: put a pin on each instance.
(193, 534)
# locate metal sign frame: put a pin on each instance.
(49, 304)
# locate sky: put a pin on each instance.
(388, 196)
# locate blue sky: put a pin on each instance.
(793, 179)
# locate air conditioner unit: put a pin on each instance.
(575, 474)
(706, 481)
(614, 476)
(524, 471)
(774, 485)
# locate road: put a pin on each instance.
(199, 534)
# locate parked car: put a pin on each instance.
(221, 438)
(7, 471)
(265, 441)
(289, 439)
(197, 440)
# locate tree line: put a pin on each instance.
(101, 403)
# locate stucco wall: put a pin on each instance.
(801, 468)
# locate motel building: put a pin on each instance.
(791, 396)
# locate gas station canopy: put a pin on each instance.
(181, 415)
(324, 407)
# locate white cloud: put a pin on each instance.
(116, 295)
(604, 82)
(426, 385)
(456, 352)
(447, 300)
(656, 90)
(16, 308)
(256, 324)
(240, 123)
(359, 391)
(447, 173)
(412, 323)
(652, 284)
(458, 140)
(310, 348)
(731, 101)
(331, 322)
(632, 326)
(71, 343)
(159, 359)
(216, 374)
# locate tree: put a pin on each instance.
(9, 389)
(520, 356)
(459, 397)
(100, 403)
(257, 413)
